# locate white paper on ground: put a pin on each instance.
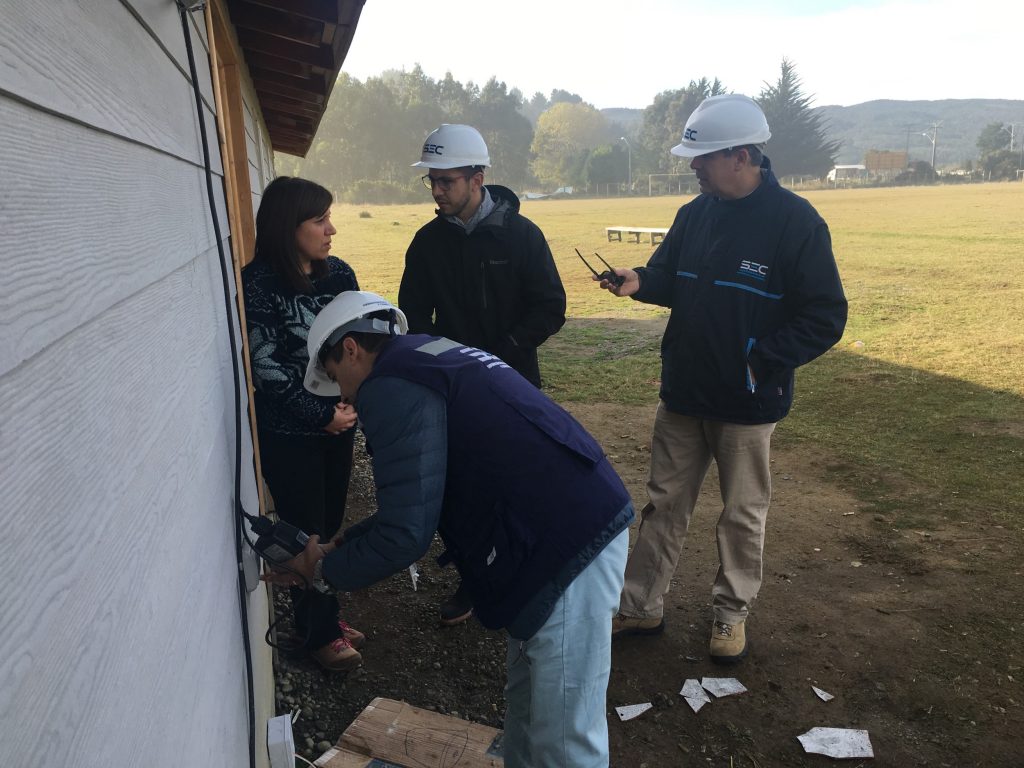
(414, 574)
(837, 742)
(695, 696)
(823, 695)
(630, 711)
(722, 686)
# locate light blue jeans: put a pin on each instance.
(558, 679)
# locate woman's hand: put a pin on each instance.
(345, 418)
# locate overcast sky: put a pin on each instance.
(623, 53)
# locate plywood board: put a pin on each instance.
(393, 734)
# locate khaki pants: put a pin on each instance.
(681, 451)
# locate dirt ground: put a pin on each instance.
(915, 632)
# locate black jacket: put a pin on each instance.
(750, 282)
(496, 288)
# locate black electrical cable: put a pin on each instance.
(304, 642)
(263, 527)
(239, 512)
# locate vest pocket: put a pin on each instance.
(491, 564)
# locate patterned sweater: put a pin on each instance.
(278, 320)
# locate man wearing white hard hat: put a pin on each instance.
(480, 273)
(748, 272)
(527, 504)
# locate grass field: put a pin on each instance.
(920, 406)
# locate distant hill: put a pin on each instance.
(898, 125)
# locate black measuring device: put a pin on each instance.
(279, 542)
(609, 274)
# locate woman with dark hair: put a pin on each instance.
(305, 440)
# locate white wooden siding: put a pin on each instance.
(92, 61)
(112, 217)
(122, 641)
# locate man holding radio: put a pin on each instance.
(748, 272)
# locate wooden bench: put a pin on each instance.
(656, 233)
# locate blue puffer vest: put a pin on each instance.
(527, 489)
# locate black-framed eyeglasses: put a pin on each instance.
(444, 182)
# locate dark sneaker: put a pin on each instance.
(634, 625)
(350, 633)
(728, 642)
(457, 608)
(338, 656)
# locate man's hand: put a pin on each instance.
(345, 417)
(298, 572)
(629, 286)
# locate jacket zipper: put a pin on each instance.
(751, 386)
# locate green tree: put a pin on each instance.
(359, 136)
(607, 164)
(1001, 164)
(372, 132)
(994, 137)
(663, 123)
(453, 97)
(558, 96)
(535, 107)
(564, 136)
(799, 144)
(495, 113)
(1000, 155)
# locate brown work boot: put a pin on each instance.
(728, 642)
(350, 633)
(634, 625)
(338, 656)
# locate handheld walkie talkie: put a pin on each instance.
(609, 274)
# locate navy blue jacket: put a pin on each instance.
(521, 495)
(750, 282)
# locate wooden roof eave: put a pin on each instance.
(294, 50)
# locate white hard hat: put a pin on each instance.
(346, 313)
(723, 122)
(454, 146)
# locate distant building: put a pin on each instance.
(884, 163)
(847, 173)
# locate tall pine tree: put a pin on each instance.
(799, 145)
